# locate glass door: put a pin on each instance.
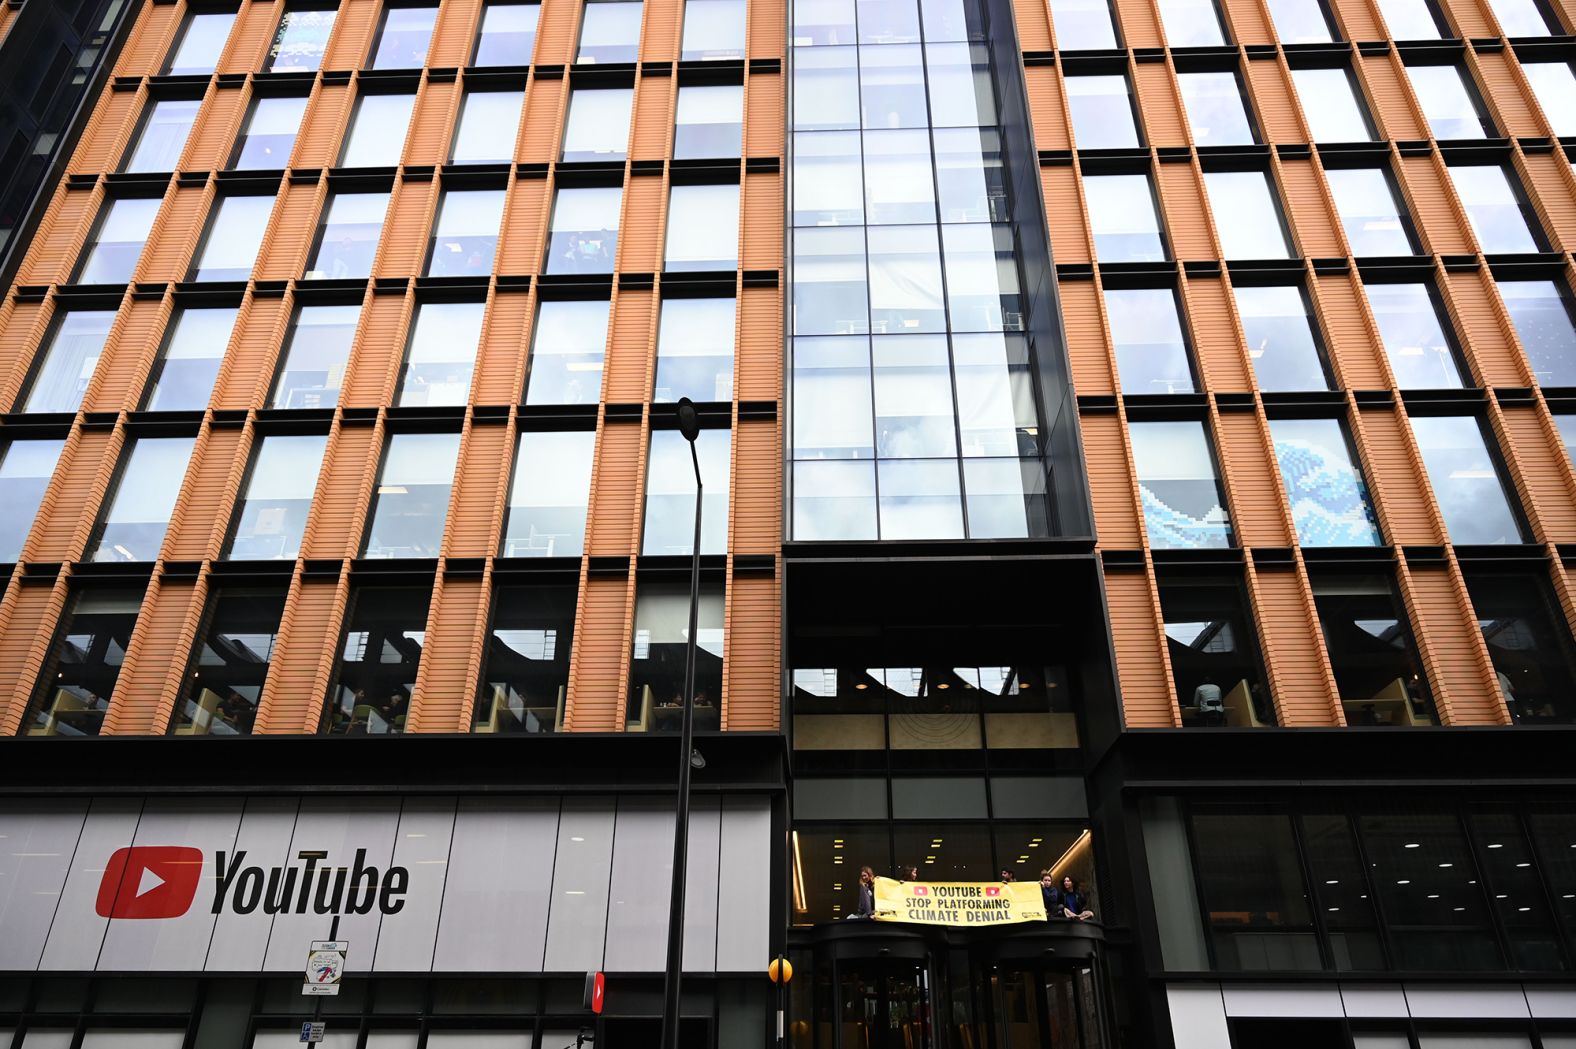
(884, 1005)
(1044, 1008)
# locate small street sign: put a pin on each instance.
(313, 1032)
(325, 964)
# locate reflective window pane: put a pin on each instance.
(609, 32)
(825, 92)
(1300, 21)
(1465, 479)
(412, 498)
(919, 499)
(702, 228)
(887, 21)
(465, 235)
(982, 278)
(132, 527)
(656, 671)
(1191, 23)
(829, 282)
(891, 87)
(1410, 19)
(1493, 208)
(25, 469)
(376, 138)
(996, 407)
(959, 77)
(201, 43)
(670, 493)
(1414, 338)
(442, 353)
(832, 416)
(222, 691)
(1555, 87)
(713, 30)
(1330, 103)
(913, 398)
(1215, 109)
(709, 121)
(1123, 219)
(184, 374)
(1281, 343)
(67, 360)
(1102, 112)
(695, 349)
(162, 138)
(1541, 313)
(1422, 873)
(1083, 25)
(1523, 18)
(1247, 215)
(1370, 213)
(1005, 498)
(235, 233)
(483, 135)
(271, 519)
(971, 186)
(526, 673)
(316, 349)
(1529, 643)
(905, 280)
(375, 675)
(1370, 649)
(597, 127)
(1329, 502)
(403, 39)
(347, 238)
(1504, 856)
(567, 345)
(1146, 333)
(124, 225)
(834, 500)
(84, 663)
(828, 189)
(1183, 504)
(1341, 898)
(900, 186)
(300, 41)
(583, 234)
(1255, 897)
(546, 516)
(506, 34)
(1449, 105)
(269, 137)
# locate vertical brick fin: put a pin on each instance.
(1158, 103)
(175, 233)
(1349, 339)
(454, 34)
(22, 328)
(631, 348)
(1143, 667)
(349, 468)
(761, 222)
(149, 41)
(760, 345)
(72, 498)
(1542, 477)
(654, 118)
(1460, 675)
(1390, 98)
(640, 229)
(350, 45)
(290, 231)
(1280, 119)
(161, 647)
(1312, 218)
(27, 626)
(105, 137)
(756, 496)
(500, 366)
(1217, 339)
(1551, 185)
(1398, 484)
(520, 248)
(1140, 23)
(752, 675)
(1083, 325)
(1064, 210)
(318, 142)
(544, 103)
(436, 111)
(61, 233)
(309, 639)
(616, 486)
(556, 32)
(476, 505)
(599, 665)
(379, 348)
(404, 246)
(128, 352)
(1299, 676)
(248, 367)
(253, 33)
(202, 512)
(1046, 111)
(1247, 22)
(1357, 21)
(1468, 18)
(659, 40)
(1186, 214)
(1433, 206)
(1111, 487)
(1258, 513)
(766, 30)
(1507, 96)
(217, 122)
(1491, 344)
(763, 119)
(445, 689)
(1034, 27)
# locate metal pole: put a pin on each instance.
(675, 969)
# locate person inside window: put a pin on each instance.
(867, 894)
(1007, 877)
(1050, 894)
(1211, 705)
(1074, 906)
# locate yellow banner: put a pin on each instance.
(958, 902)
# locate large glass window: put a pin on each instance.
(1300, 21)
(483, 135)
(670, 493)
(1524, 18)
(301, 39)
(1410, 19)
(825, 89)
(567, 346)
(1493, 207)
(709, 121)
(507, 33)
(1215, 110)
(899, 183)
(66, 363)
(960, 85)
(404, 36)
(1255, 900)
(830, 294)
(971, 185)
(828, 190)
(1123, 219)
(1555, 87)
(552, 485)
(465, 235)
(1340, 894)
(316, 350)
(25, 469)
(913, 398)
(1247, 215)
(1370, 650)
(609, 31)
(412, 499)
(1083, 25)
(1541, 313)
(1370, 213)
(201, 43)
(1191, 23)
(1329, 502)
(905, 280)
(1102, 112)
(695, 340)
(268, 138)
(656, 672)
(597, 127)
(133, 526)
(184, 374)
(347, 239)
(583, 234)
(385, 630)
(1466, 479)
(526, 674)
(1422, 875)
(1521, 902)
(235, 233)
(1279, 333)
(703, 228)
(226, 681)
(162, 137)
(271, 519)
(834, 500)
(832, 399)
(713, 30)
(892, 88)
(84, 663)
(111, 255)
(1329, 102)
(1451, 107)
(1183, 503)
(376, 138)
(1214, 653)
(1528, 642)
(1151, 352)
(442, 353)
(1420, 353)
(982, 278)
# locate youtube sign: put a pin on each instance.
(149, 881)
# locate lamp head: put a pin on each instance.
(689, 419)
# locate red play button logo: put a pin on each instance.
(149, 881)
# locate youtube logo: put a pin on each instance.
(150, 881)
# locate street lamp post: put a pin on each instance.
(689, 426)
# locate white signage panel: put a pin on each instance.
(35, 852)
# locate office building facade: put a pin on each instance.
(1136, 445)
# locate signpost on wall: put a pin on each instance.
(325, 964)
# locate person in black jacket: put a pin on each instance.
(1050, 894)
(867, 893)
(1074, 906)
